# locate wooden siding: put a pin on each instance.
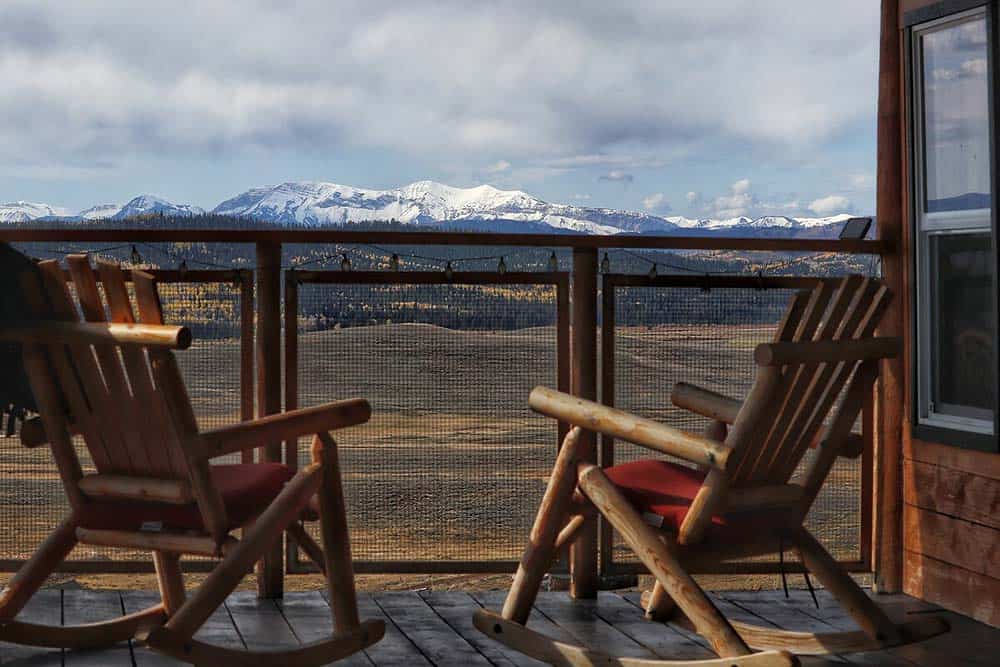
(951, 496)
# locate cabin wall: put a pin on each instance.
(950, 495)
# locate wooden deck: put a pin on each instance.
(435, 627)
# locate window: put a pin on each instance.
(953, 202)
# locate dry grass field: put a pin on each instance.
(452, 464)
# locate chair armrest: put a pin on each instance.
(284, 426)
(825, 351)
(637, 430)
(705, 403)
(164, 336)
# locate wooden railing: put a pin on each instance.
(584, 380)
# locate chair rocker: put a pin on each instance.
(116, 383)
(741, 499)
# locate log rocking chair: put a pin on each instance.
(741, 499)
(115, 382)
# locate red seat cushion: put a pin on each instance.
(247, 489)
(667, 489)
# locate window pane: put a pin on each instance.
(961, 290)
(956, 117)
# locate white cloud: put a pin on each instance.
(580, 196)
(545, 82)
(656, 203)
(617, 175)
(831, 205)
(498, 167)
(693, 197)
(740, 201)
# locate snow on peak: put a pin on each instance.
(25, 211)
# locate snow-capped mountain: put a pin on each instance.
(25, 211)
(141, 205)
(427, 204)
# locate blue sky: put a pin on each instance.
(706, 109)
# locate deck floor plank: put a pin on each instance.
(86, 606)
(44, 608)
(260, 622)
(308, 615)
(457, 609)
(435, 628)
(395, 648)
(579, 618)
(137, 601)
(662, 639)
(537, 621)
(432, 635)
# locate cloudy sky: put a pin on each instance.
(703, 108)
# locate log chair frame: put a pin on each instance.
(83, 374)
(825, 349)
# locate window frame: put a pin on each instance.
(940, 427)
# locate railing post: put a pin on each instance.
(889, 217)
(270, 571)
(583, 383)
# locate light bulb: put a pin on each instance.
(183, 268)
(394, 262)
(448, 272)
(345, 264)
(652, 271)
(136, 257)
(502, 267)
(606, 264)
(553, 262)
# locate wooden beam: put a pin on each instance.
(576, 241)
(892, 392)
(583, 383)
(270, 575)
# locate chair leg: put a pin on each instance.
(239, 562)
(662, 563)
(336, 539)
(37, 569)
(659, 606)
(876, 624)
(298, 534)
(549, 521)
(170, 580)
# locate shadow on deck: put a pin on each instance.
(435, 627)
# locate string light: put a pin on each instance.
(394, 262)
(183, 268)
(449, 273)
(606, 264)
(652, 271)
(501, 267)
(136, 257)
(345, 264)
(553, 262)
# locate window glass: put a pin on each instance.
(962, 330)
(956, 117)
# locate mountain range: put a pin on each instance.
(423, 204)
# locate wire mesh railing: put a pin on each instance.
(446, 475)
(446, 343)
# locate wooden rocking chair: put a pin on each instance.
(740, 501)
(116, 383)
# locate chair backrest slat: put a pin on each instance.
(862, 325)
(162, 449)
(798, 401)
(801, 378)
(80, 381)
(136, 459)
(770, 420)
